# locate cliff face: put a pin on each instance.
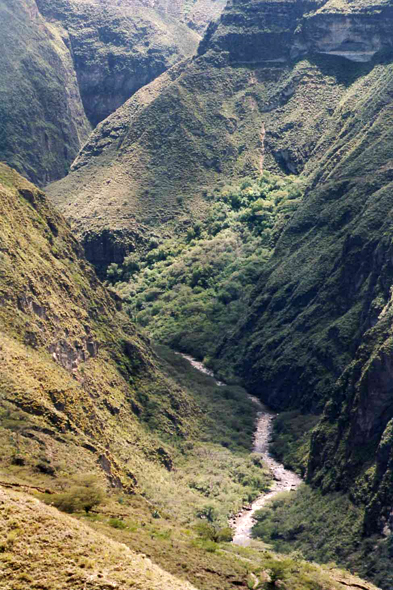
(357, 31)
(42, 120)
(67, 65)
(118, 47)
(258, 31)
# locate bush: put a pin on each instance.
(224, 535)
(189, 292)
(117, 523)
(209, 532)
(83, 495)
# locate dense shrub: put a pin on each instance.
(84, 494)
(189, 291)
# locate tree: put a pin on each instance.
(84, 494)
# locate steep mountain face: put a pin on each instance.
(321, 292)
(67, 64)
(76, 380)
(118, 47)
(211, 119)
(42, 120)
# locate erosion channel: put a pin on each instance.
(284, 479)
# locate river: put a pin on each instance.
(283, 479)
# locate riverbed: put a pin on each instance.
(284, 480)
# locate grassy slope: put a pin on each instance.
(62, 550)
(71, 363)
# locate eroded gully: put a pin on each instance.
(283, 479)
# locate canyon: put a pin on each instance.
(217, 179)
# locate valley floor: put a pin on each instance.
(160, 525)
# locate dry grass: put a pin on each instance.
(44, 549)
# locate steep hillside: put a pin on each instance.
(62, 552)
(42, 120)
(80, 389)
(67, 64)
(258, 97)
(74, 374)
(118, 47)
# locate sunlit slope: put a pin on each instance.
(41, 547)
(76, 379)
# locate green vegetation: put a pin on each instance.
(228, 412)
(291, 435)
(146, 553)
(84, 492)
(190, 290)
(325, 528)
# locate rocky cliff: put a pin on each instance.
(42, 120)
(67, 65)
(118, 47)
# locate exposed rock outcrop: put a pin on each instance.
(42, 119)
(356, 31)
(118, 47)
